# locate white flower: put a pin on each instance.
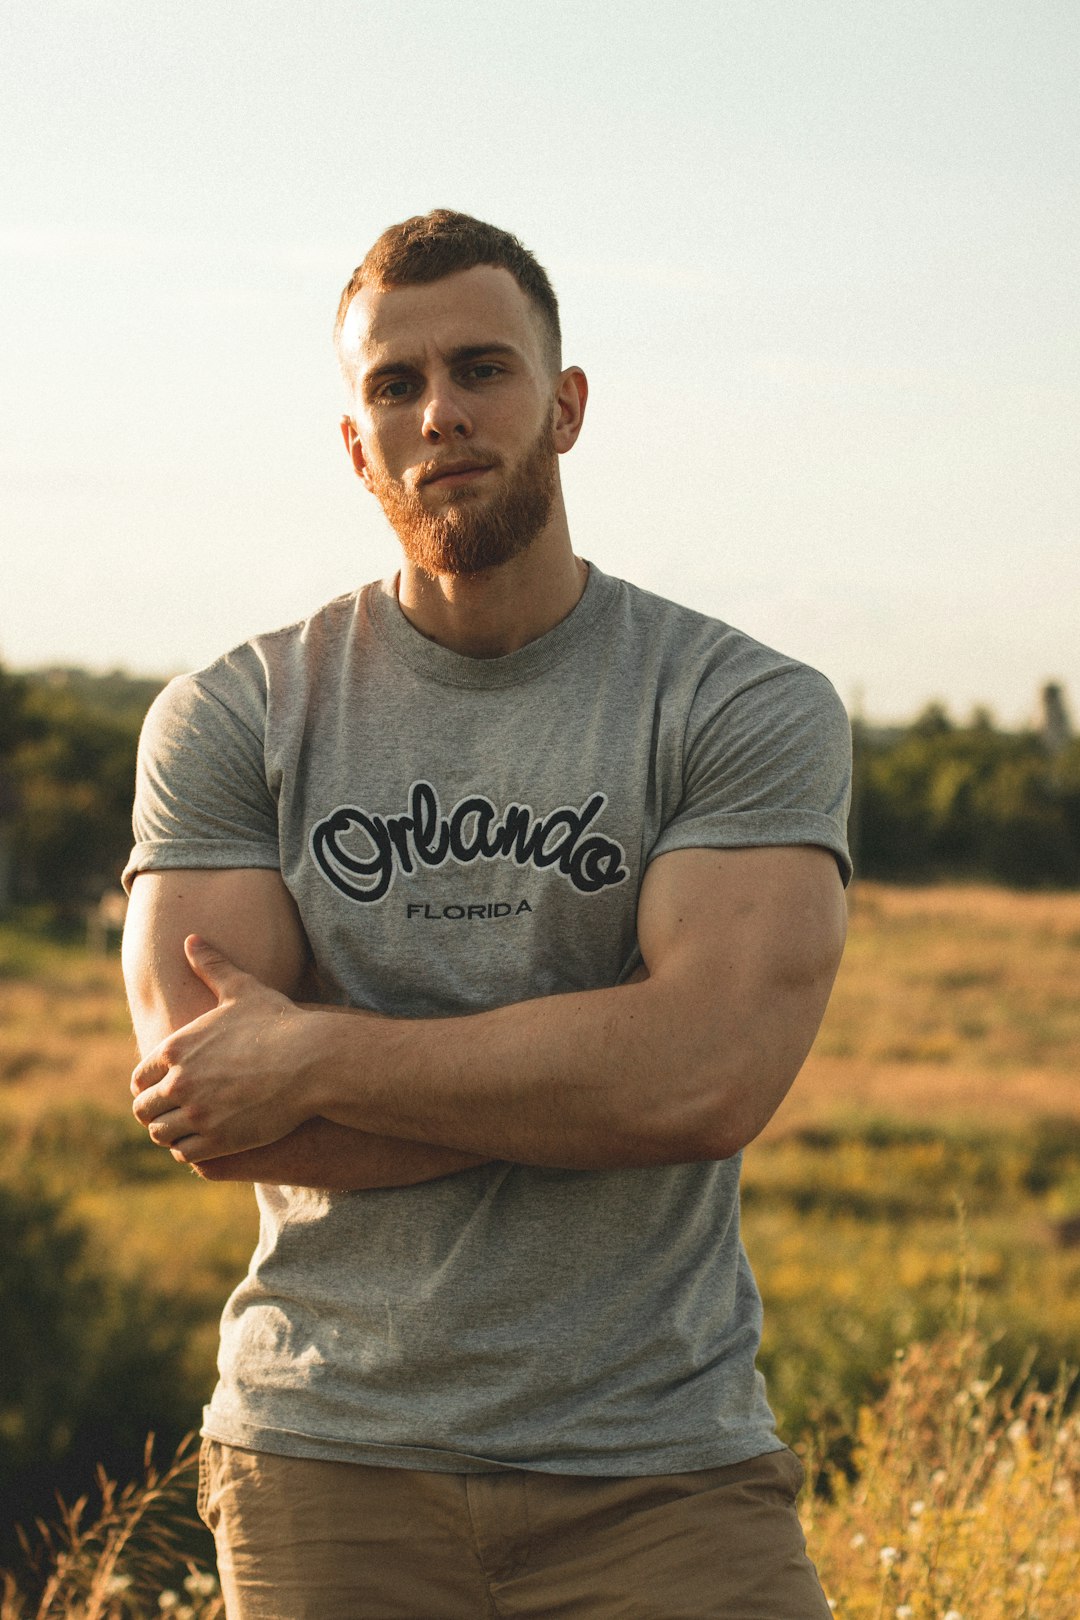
(858, 1539)
(916, 1508)
(168, 1602)
(200, 1583)
(117, 1584)
(888, 1556)
(952, 1614)
(903, 1611)
(1017, 1431)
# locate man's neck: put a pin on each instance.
(494, 613)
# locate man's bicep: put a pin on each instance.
(748, 942)
(247, 912)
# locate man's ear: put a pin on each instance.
(355, 449)
(571, 395)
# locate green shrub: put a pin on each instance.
(90, 1364)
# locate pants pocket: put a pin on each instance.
(202, 1499)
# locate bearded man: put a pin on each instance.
(481, 920)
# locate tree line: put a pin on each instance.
(941, 800)
(936, 799)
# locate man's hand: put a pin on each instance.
(253, 921)
(233, 1078)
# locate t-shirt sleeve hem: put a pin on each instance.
(757, 830)
(190, 854)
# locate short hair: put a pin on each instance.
(429, 246)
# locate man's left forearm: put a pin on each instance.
(689, 1063)
(640, 1074)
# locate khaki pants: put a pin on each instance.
(307, 1540)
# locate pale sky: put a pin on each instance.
(819, 258)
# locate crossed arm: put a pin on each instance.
(242, 1080)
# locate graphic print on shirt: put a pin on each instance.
(360, 853)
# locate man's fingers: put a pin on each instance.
(219, 975)
(169, 1128)
(149, 1104)
(148, 1073)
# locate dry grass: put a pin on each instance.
(956, 1011)
(115, 1563)
(952, 1003)
(965, 1499)
(65, 1036)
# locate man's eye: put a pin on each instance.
(396, 388)
(483, 370)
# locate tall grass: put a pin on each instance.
(964, 1498)
(117, 1562)
(947, 1067)
(962, 1502)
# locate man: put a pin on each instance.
(481, 920)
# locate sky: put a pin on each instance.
(819, 259)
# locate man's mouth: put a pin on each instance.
(450, 473)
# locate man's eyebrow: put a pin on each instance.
(480, 351)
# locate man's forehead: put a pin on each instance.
(470, 307)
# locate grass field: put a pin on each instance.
(921, 1184)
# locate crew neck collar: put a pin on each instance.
(434, 662)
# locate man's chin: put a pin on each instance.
(460, 556)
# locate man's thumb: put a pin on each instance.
(215, 970)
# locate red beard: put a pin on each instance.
(475, 531)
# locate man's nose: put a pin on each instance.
(446, 414)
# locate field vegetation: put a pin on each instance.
(912, 1214)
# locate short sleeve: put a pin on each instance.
(767, 764)
(201, 794)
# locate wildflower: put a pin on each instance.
(858, 1539)
(916, 1508)
(200, 1583)
(117, 1584)
(185, 1612)
(888, 1556)
(168, 1602)
(1017, 1431)
(952, 1614)
(904, 1611)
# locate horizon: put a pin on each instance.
(1033, 721)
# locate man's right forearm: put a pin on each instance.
(322, 1154)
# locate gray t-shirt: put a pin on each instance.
(459, 834)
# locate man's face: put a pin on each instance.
(454, 417)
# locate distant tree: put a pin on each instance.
(70, 769)
(942, 800)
